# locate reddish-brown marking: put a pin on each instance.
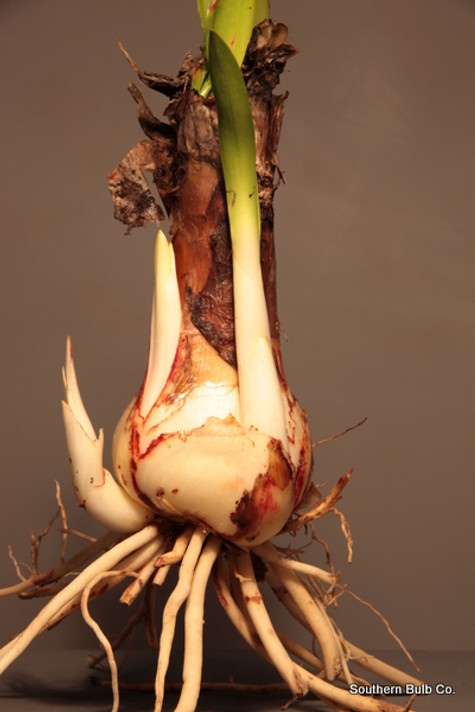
(304, 468)
(219, 590)
(255, 507)
(154, 443)
(257, 598)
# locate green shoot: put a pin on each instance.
(259, 387)
(234, 21)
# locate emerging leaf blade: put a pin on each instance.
(237, 140)
(233, 20)
(260, 395)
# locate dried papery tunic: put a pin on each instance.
(184, 159)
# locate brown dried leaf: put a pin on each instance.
(134, 204)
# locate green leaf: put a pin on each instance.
(237, 140)
(203, 12)
(260, 394)
(234, 21)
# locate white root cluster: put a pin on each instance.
(305, 590)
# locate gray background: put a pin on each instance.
(376, 291)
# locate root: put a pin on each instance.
(322, 508)
(133, 562)
(269, 554)
(316, 619)
(101, 635)
(305, 590)
(31, 587)
(263, 626)
(172, 557)
(132, 623)
(192, 663)
(340, 434)
(334, 696)
(42, 621)
(173, 605)
(387, 626)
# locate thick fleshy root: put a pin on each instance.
(306, 604)
(305, 590)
